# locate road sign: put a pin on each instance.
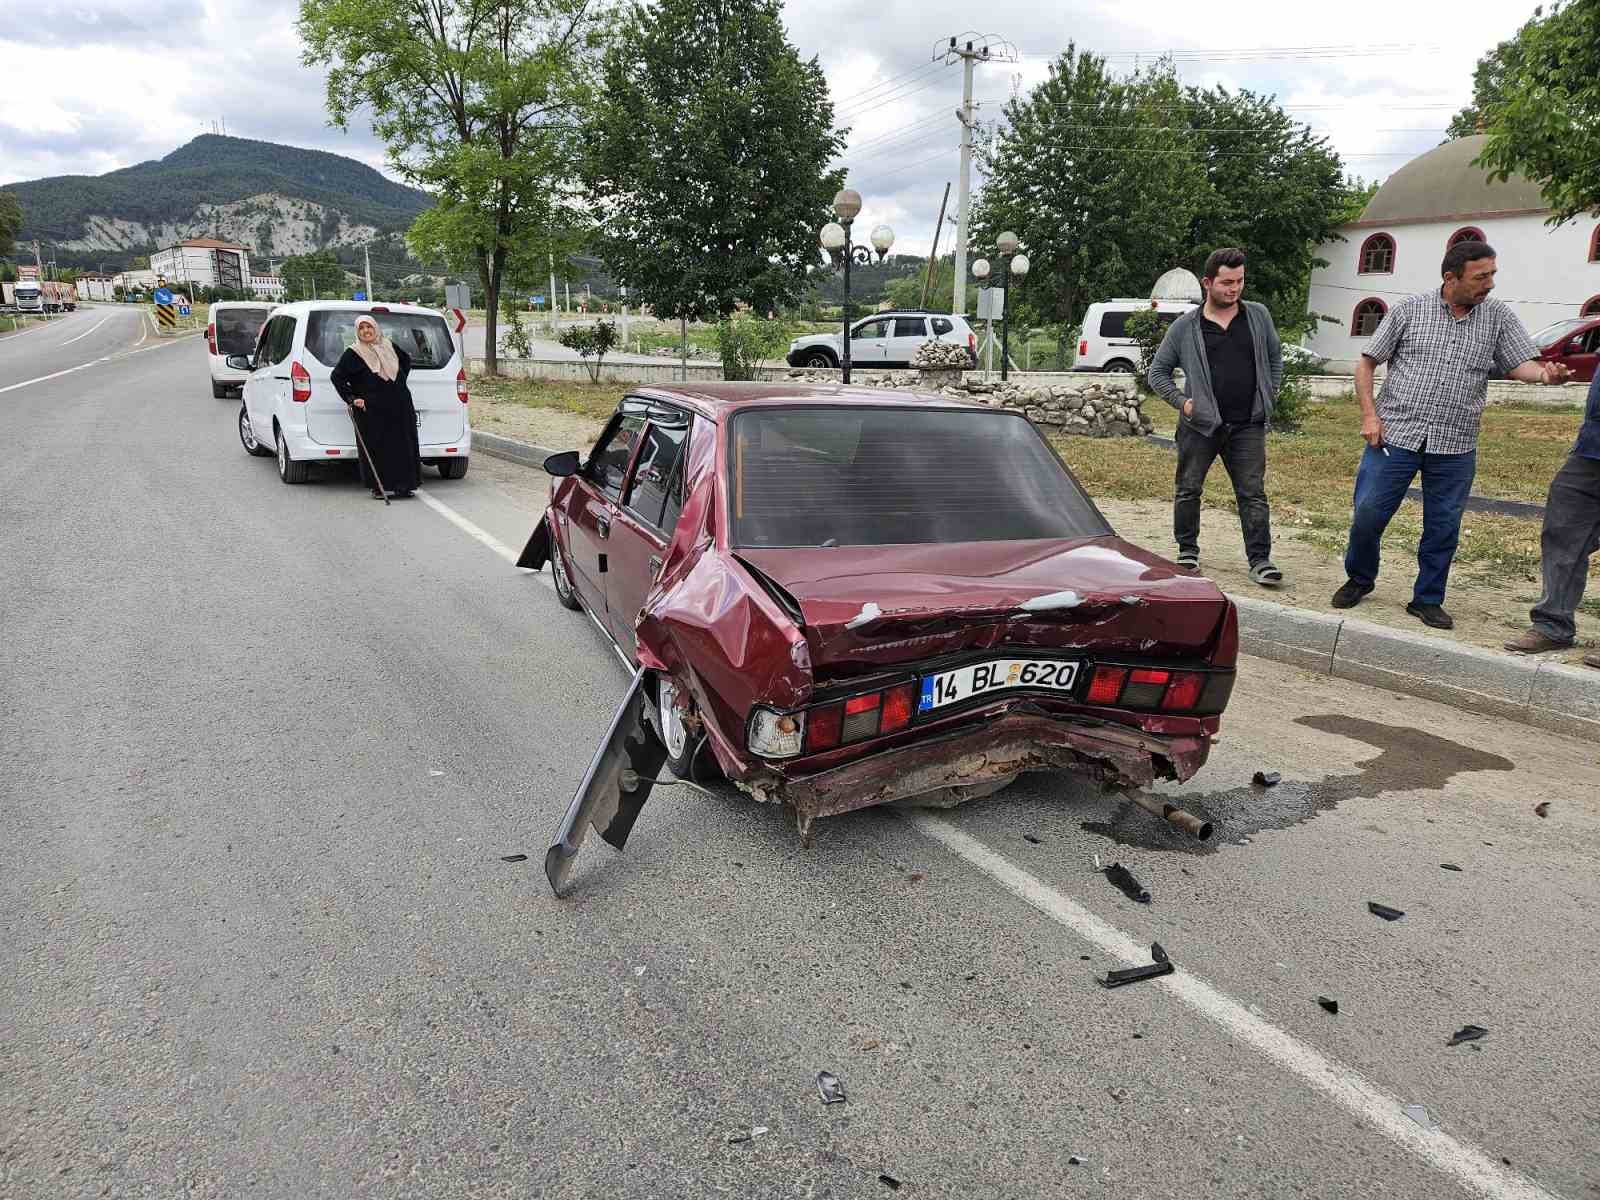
(163, 296)
(457, 295)
(461, 320)
(538, 299)
(183, 310)
(991, 303)
(359, 296)
(166, 315)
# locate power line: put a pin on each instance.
(1389, 292)
(853, 97)
(1249, 54)
(893, 98)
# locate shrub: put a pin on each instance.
(591, 341)
(1294, 394)
(1145, 328)
(516, 337)
(744, 341)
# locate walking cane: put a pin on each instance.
(361, 444)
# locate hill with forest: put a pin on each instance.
(272, 199)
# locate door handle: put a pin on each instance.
(603, 525)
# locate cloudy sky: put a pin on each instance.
(93, 85)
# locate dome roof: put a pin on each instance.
(1177, 284)
(1443, 184)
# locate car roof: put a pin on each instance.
(720, 400)
(296, 307)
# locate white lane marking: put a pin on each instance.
(93, 362)
(86, 332)
(478, 534)
(1466, 1164)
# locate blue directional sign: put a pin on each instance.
(538, 299)
(163, 295)
(183, 310)
(359, 296)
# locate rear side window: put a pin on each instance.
(941, 326)
(1114, 325)
(895, 476)
(909, 327)
(656, 493)
(237, 329)
(423, 336)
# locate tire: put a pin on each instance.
(818, 358)
(220, 391)
(247, 437)
(452, 468)
(289, 470)
(558, 575)
(683, 747)
(1118, 366)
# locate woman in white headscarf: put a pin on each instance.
(371, 378)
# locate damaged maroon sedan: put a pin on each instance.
(840, 597)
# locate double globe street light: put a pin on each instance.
(1017, 267)
(836, 241)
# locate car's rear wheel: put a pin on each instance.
(818, 358)
(247, 436)
(289, 470)
(683, 746)
(452, 468)
(1118, 366)
(558, 573)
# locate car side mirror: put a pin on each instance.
(565, 463)
(240, 362)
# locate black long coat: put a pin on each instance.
(389, 425)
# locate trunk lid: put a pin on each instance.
(864, 608)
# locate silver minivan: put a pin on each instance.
(292, 410)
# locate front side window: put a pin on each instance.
(263, 352)
(423, 336)
(656, 493)
(835, 476)
(608, 465)
(909, 327)
(871, 329)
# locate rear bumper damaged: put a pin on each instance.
(992, 752)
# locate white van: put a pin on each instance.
(1104, 344)
(232, 327)
(290, 406)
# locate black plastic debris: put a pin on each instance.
(1467, 1033)
(1542, 809)
(513, 858)
(1155, 970)
(890, 1182)
(1127, 884)
(829, 1088)
(1157, 953)
(1448, 867)
(1329, 1004)
(1384, 911)
(1028, 837)
(1266, 779)
(747, 1136)
(1076, 1160)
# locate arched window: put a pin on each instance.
(1377, 255)
(1591, 307)
(1368, 316)
(1594, 245)
(1466, 234)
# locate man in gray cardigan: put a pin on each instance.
(1232, 366)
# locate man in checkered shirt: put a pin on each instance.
(1440, 347)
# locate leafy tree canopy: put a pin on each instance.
(1488, 88)
(10, 222)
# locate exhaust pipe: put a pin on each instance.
(1173, 815)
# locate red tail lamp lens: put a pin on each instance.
(862, 704)
(1083, 348)
(1151, 676)
(824, 727)
(1184, 690)
(211, 337)
(299, 383)
(898, 705)
(861, 717)
(461, 385)
(1106, 685)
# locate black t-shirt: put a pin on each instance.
(1232, 356)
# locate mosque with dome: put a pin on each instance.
(1546, 273)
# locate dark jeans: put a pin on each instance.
(1243, 450)
(1570, 535)
(1381, 484)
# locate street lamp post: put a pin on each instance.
(1012, 265)
(836, 241)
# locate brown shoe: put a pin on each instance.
(1591, 660)
(1534, 642)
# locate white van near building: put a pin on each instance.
(1104, 344)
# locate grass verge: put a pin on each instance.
(595, 400)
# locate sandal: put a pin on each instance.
(1266, 574)
(1189, 560)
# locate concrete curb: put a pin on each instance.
(1532, 691)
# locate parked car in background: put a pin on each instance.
(292, 410)
(1104, 344)
(883, 340)
(1575, 343)
(841, 598)
(232, 327)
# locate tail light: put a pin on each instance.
(1083, 348)
(211, 338)
(972, 344)
(829, 726)
(299, 383)
(1195, 692)
(461, 385)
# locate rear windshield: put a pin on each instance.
(424, 336)
(237, 329)
(879, 477)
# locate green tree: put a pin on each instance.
(1542, 122)
(591, 340)
(317, 274)
(706, 158)
(1099, 181)
(476, 101)
(1488, 88)
(10, 222)
(1273, 188)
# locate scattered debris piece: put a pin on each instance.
(1157, 952)
(639, 971)
(1418, 1114)
(1384, 911)
(873, 1044)
(829, 1088)
(1097, 866)
(1083, 958)
(436, 774)
(916, 876)
(1244, 841)
(890, 1182)
(1127, 884)
(1542, 809)
(1154, 970)
(513, 858)
(1467, 1033)
(1118, 1094)
(1028, 837)
(1076, 1160)
(1505, 1160)
(1266, 779)
(1329, 1004)
(747, 1137)
(1448, 867)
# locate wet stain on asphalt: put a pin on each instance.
(1407, 760)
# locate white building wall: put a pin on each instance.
(1544, 274)
(193, 265)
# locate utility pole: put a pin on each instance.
(555, 321)
(366, 253)
(933, 253)
(38, 261)
(992, 50)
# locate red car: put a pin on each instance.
(1574, 342)
(844, 597)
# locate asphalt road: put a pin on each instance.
(262, 750)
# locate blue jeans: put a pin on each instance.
(1381, 485)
